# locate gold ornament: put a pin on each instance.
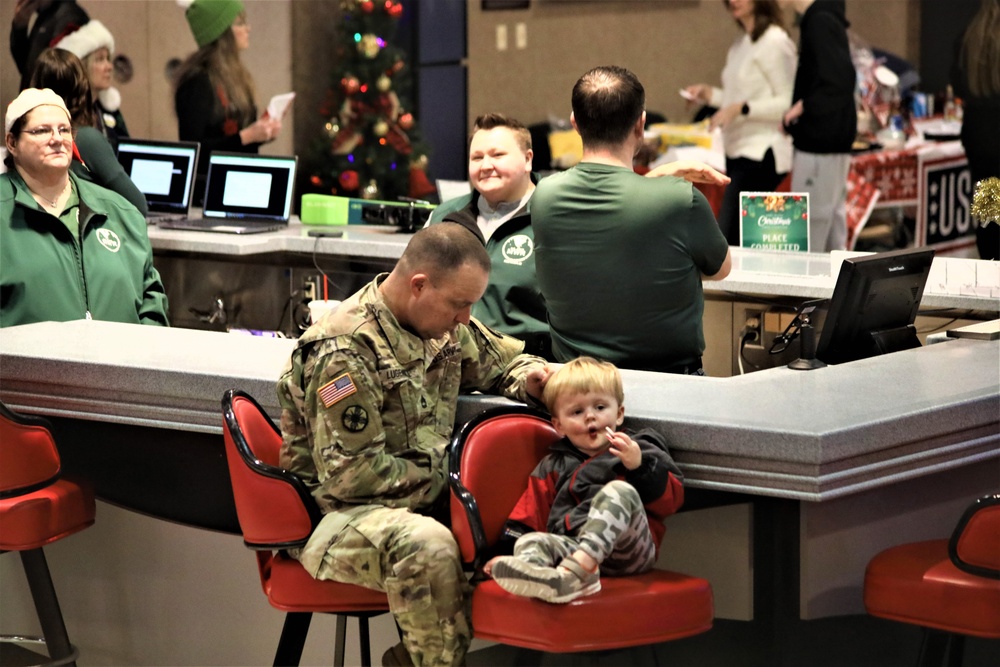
(371, 191)
(384, 83)
(381, 128)
(774, 203)
(368, 46)
(986, 202)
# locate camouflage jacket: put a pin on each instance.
(368, 408)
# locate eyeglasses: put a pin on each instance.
(45, 133)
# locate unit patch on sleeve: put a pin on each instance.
(337, 389)
(355, 418)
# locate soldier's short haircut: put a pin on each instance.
(580, 376)
(441, 249)
(607, 103)
(488, 121)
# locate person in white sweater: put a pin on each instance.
(757, 83)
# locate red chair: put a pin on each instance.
(951, 588)
(491, 458)
(276, 512)
(38, 508)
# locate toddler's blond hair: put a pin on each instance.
(580, 376)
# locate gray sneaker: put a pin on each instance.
(545, 583)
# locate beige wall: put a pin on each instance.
(668, 43)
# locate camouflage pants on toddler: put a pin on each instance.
(616, 535)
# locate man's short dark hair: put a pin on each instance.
(488, 121)
(607, 103)
(441, 249)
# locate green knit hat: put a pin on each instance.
(210, 18)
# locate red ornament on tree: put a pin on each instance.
(367, 6)
(393, 9)
(350, 84)
(349, 180)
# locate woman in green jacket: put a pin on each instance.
(498, 212)
(69, 249)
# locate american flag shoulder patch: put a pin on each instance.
(337, 389)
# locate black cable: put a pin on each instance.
(939, 328)
(325, 275)
(284, 310)
(745, 338)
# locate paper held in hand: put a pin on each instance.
(279, 104)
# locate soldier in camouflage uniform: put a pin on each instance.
(368, 406)
(597, 501)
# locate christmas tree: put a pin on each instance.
(370, 146)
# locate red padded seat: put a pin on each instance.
(289, 587)
(489, 463)
(39, 518)
(950, 588)
(38, 508)
(502, 617)
(276, 513)
(918, 584)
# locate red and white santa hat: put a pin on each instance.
(86, 39)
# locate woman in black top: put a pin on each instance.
(214, 97)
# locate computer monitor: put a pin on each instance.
(874, 304)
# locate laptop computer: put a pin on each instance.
(245, 194)
(164, 172)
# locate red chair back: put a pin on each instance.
(29, 459)
(975, 544)
(490, 460)
(274, 506)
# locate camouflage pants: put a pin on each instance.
(415, 560)
(616, 535)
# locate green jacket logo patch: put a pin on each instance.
(109, 240)
(517, 249)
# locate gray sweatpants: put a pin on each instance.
(824, 177)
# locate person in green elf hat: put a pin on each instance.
(214, 94)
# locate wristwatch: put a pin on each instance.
(745, 110)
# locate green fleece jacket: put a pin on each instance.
(513, 303)
(47, 273)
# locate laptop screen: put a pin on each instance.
(163, 171)
(252, 187)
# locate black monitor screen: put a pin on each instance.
(874, 304)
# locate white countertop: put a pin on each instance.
(804, 434)
(358, 241)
